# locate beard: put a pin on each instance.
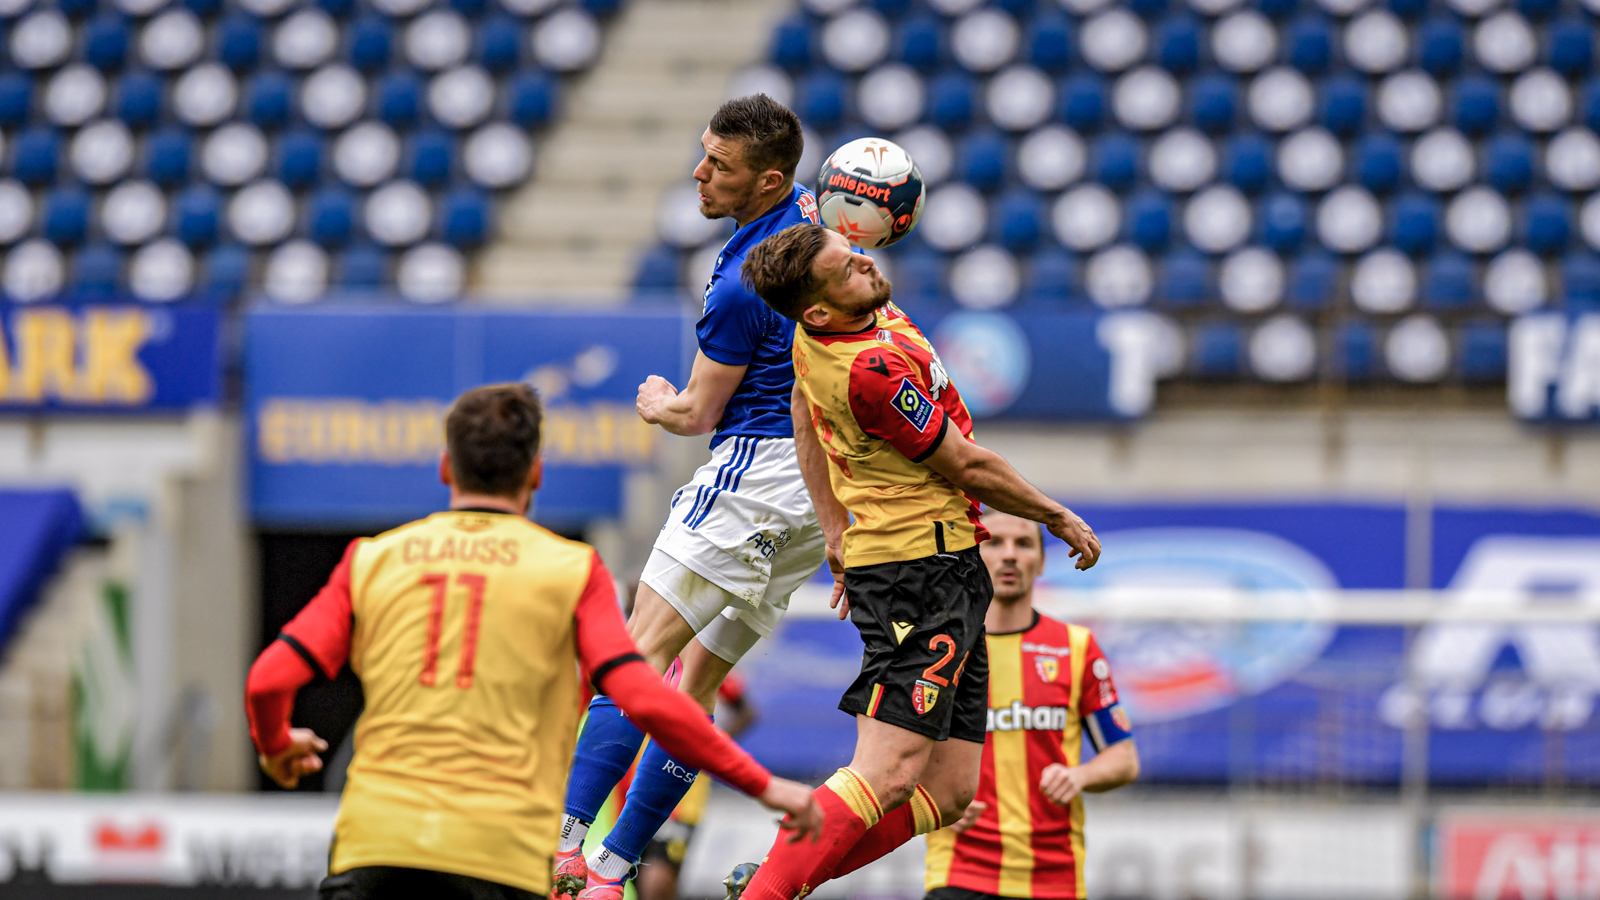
(879, 298)
(722, 209)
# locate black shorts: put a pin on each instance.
(955, 893)
(925, 667)
(670, 844)
(396, 883)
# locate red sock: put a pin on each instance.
(919, 815)
(849, 808)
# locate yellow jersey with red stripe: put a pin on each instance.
(882, 403)
(1046, 685)
(463, 638)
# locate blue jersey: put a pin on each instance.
(738, 329)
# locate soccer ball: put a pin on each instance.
(871, 192)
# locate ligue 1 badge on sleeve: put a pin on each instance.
(924, 695)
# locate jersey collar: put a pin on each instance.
(1031, 626)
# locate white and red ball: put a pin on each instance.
(871, 192)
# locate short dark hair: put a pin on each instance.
(493, 436)
(779, 269)
(770, 131)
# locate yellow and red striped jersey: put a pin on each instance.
(1045, 684)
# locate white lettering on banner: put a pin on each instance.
(1452, 665)
(1494, 855)
(1133, 339)
(1543, 351)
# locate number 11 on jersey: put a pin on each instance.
(440, 583)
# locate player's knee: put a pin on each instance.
(954, 804)
(897, 789)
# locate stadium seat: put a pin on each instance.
(919, 275)
(1580, 281)
(1308, 42)
(981, 159)
(950, 100)
(1177, 44)
(1570, 50)
(822, 99)
(1344, 104)
(330, 215)
(919, 43)
(1477, 104)
(299, 161)
(268, 99)
(137, 99)
(1184, 280)
(791, 44)
(1358, 351)
(1218, 350)
(464, 218)
(1439, 46)
(1313, 281)
(105, 41)
(532, 99)
(1019, 220)
(370, 42)
(16, 98)
(1114, 160)
(1247, 162)
(1281, 222)
(1546, 224)
(1049, 43)
(430, 157)
(65, 216)
(239, 42)
(35, 157)
(196, 214)
(658, 270)
(225, 271)
(96, 271)
(1051, 275)
(399, 98)
(1447, 281)
(499, 46)
(1148, 222)
(1508, 162)
(1212, 98)
(364, 266)
(1376, 162)
(1482, 354)
(1414, 223)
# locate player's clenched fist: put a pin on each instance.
(653, 394)
(803, 814)
(299, 758)
(1060, 783)
(1071, 527)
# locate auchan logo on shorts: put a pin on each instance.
(858, 187)
(1017, 717)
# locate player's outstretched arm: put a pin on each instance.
(698, 407)
(831, 514)
(985, 475)
(1111, 768)
(674, 721)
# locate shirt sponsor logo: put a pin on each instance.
(911, 403)
(1046, 648)
(1017, 717)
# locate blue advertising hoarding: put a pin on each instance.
(1283, 701)
(346, 404)
(123, 357)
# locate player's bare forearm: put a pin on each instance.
(831, 514)
(985, 476)
(1112, 767)
(698, 407)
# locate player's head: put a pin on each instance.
(492, 443)
(751, 149)
(811, 275)
(1014, 554)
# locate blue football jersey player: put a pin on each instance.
(741, 535)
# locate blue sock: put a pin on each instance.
(605, 751)
(658, 785)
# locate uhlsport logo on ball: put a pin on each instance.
(871, 192)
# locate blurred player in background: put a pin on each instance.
(467, 630)
(872, 397)
(1048, 685)
(741, 536)
(663, 857)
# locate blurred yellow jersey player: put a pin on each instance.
(467, 630)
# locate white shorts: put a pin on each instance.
(740, 538)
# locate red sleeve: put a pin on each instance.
(890, 402)
(1098, 690)
(731, 690)
(610, 659)
(321, 631)
(269, 695)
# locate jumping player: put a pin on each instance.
(1048, 685)
(741, 536)
(872, 397)
(467, 629)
